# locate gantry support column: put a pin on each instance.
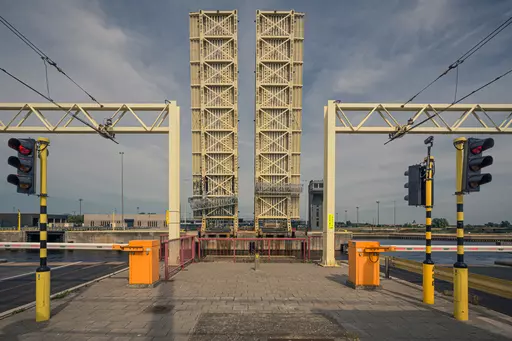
(174, 182)
(329, 184)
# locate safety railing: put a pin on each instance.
(186, 247)
(244, 249)
(315, 247)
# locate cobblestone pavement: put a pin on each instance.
(226, 301)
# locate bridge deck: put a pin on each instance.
(226, 301)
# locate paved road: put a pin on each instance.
(17, 282)
(493, 302)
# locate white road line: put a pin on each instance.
(31, 273)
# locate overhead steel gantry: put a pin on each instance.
(487, 118)
(14, 117)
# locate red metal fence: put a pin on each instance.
(186, 247)
(243, 249)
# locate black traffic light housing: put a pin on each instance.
(472, 176)
(416, 185)
(25, 163)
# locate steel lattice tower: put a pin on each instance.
(279, 61)
(214, 99)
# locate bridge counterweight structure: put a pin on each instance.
(214, 98)
(279, 63)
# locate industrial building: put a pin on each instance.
(32, 220)
(130, 220)
(315, 204)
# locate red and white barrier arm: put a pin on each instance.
(452, 248)
(58, 246)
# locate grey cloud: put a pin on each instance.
(370, 51)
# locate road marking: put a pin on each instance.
(32, 304)
(31, 273)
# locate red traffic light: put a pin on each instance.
(476, 146)
(18, 146)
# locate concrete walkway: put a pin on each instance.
(230, 302)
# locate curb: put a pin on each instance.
(27, 306)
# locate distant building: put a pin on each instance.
(32, 220)
(130, 220)
(315, 204)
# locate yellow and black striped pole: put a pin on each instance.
(43, 271)
(428, 264)
(460, 269)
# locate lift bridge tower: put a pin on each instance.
(279, 61)
(214, 99)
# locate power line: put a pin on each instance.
(448, 107)
(43, 56)
(465, 56)
(105, 134)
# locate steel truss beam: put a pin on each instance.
(485, 116)
(214, 99)
(346, 118)
(52, 119)
(279, 61)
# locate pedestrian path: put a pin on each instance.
(227, 301)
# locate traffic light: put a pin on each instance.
(415, 184)
(25, 163)
(472, 176)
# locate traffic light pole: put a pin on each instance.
(43, 271)
(460, 269)
(428, 264)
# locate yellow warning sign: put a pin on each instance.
(331, 221)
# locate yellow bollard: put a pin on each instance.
(460, 294)
(42, 295)
(428, 283)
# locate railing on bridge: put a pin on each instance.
(186, 245)
(244, 249)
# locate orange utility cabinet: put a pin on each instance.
(364, 264)
(144, 262)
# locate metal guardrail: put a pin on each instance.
(245, 248)
(487, 284)
(57, 246)
(186, 245)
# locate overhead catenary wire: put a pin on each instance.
(449, 106)
(44, 56)
(465, 56)
(102, 133)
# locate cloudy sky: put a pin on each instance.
(369, 51)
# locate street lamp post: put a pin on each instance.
(346, 219)
(394, 213)
(122, 188)
(378, 213)
(80, 201)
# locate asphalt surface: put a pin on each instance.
(17, 280)
(496, 303)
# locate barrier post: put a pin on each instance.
(43, 271)
(428, 264)
(460, 269)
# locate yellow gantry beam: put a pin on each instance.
(48, 118)
(489, 118)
